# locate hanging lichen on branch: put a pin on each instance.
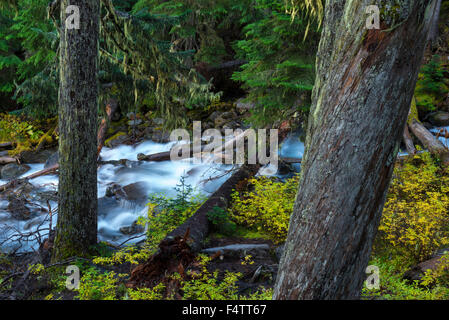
(130, 41)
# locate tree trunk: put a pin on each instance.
(362, 95)
(78, 111)
(433, 32)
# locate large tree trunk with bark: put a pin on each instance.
(362, 95)
(78, 111)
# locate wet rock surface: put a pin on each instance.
(18, 208)
(13, 170)
(132, 229)
(36, 157)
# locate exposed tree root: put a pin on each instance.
(174, 255)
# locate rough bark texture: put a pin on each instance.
(429, 141)
(433, 33)
(362, 95)
(78, 111)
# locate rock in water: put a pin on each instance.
(13, 170)
(18, 209)
(36, 157)
(439, 118)
(52, 160)
(134, 192)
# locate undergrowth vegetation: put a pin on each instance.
(414, 225)
(268, 207)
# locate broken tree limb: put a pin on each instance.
(435, 146)
(408, 141)
(17, 182)
(111, 107)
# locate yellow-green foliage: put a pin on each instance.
(25, 133)
(172, 212)
(95, 285)
(131, 254)
(413, 115)
(206, 285)
(155, 293)
(266, 208)
(415, 218)
(394, 287)
(16, 129)
(202, 285)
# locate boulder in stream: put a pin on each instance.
(134, 192)
(13, 170)
(31, 156)
(132, 229)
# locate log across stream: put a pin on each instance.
(141, 177)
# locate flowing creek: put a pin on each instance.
(148, 177)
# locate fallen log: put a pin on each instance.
(178, 249)
(290, 160)
(6, 145)
(191, 234)
(408, 141)
(7, 160)
(198, 224)
(435, 146)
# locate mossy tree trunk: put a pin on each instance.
(362, 95)
(76, 229)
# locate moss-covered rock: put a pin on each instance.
(117, 139)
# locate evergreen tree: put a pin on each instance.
(279, 74)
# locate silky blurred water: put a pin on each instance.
(153, 177)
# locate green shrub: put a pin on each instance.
(221, 222)
(95, 285)
(431, 87)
